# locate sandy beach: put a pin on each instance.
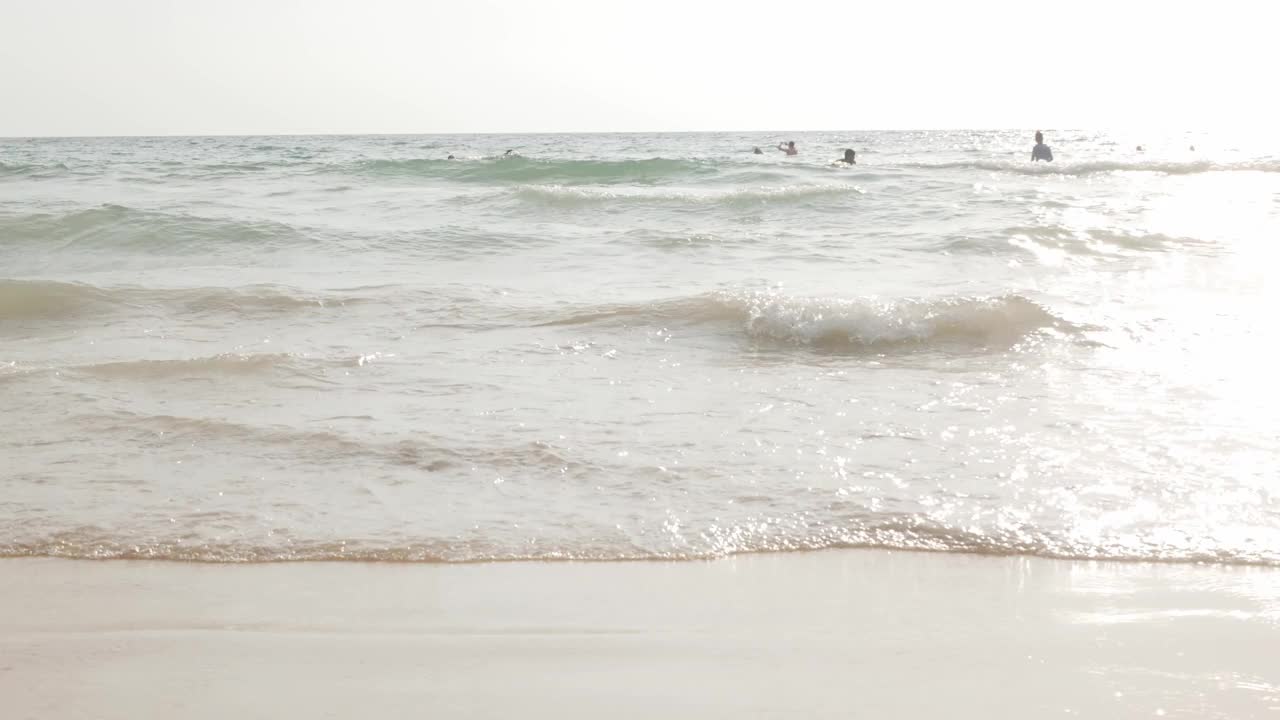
(834, 634)
(573, 360)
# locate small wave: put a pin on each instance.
(519, 169)
(210, 367)
(1102, 166)
(227, 364)
(240, 167)
(420, 452)
(50, 300)
(34, 300)
(848, 325)
(667, 240)
(13, 169)
(117, 226)
(28, 171)
(852, 324)
(296, 163)
(450, 242)
(1097, 242)
(562, 196)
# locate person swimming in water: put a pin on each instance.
(1041, 151)
(757, 151)
(850, 157)
(789, 148)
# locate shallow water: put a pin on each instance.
(638, 346)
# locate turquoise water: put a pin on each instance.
(638, 346)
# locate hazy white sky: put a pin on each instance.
(123, 67)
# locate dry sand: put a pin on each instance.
(842, 634)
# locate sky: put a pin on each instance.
(196, 67)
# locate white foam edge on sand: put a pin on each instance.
(837, 634)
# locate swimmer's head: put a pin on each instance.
(1039, 137)
(850, 156)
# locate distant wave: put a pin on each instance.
(50, 300)
(844, 325)
(558, 195)
(531, 170)
(27, 170)
(1102, 166)
(241, 167)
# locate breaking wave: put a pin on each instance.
(844, 324)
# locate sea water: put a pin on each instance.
(639, 346)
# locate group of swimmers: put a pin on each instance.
(1038, 153)
(789, 147)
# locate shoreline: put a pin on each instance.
(838, 633)
(380, 557)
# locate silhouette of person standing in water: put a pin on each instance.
(850, 157)
(1041, 151)
(789, 148)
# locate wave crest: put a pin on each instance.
(117, 226)
(563, 196)
(29, 170)
(838, 324)
(845, 324)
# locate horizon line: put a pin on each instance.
(556, 132)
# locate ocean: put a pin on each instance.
(639, 346)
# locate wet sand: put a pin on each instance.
(840, 634)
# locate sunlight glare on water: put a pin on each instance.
(638, 346)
